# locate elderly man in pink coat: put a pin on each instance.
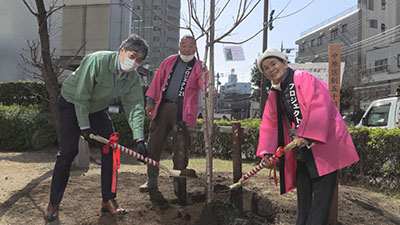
(300, 108)
(173, 96)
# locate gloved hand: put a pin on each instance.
(141, 149)
(86, 132)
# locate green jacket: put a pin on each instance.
(91, 89)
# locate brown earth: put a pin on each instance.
(25, 183)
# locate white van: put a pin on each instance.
(382, 113)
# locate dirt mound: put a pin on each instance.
(25, 187)
(218, 212)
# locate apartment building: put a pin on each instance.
(369, 35)
(158, 22)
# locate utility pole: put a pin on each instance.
(263, 97)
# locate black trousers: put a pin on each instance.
(70, 134)
(314, 196)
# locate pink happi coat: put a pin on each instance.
(192, 89)
(322, 122)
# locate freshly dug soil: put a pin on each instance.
(25, 185)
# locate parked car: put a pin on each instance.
(383, 113)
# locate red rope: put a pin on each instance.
(275, 158)
(116, 158)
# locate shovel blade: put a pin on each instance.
(185, 173)
(188, 173)
(220, 188)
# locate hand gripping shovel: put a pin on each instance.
(173, 173)
(279, 152)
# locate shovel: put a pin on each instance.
(279, 152)
(172, 173)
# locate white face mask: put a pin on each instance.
(129, 65)
(186, 58)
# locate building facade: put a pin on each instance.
(369, 36)
(234, 98)
(158, 23)
(92, 26)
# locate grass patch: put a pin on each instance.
(219, 165)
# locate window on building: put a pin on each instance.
(398, 60)
(381, 65)
(373, 23)
(301, 49)
(371, 5)
(383, 27)
(319, 40)
(344, 27)
(312, 42)
(334, 33)
(383, 4)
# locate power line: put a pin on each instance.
(354, 26)
(291, 14)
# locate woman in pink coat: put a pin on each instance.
(299, 108)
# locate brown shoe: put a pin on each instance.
(52, 212)
(112, 207)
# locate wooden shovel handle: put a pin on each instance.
(98, 138)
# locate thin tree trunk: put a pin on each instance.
(47, 68)
(210, 106)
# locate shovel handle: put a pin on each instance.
(289, 146)
(259, 167)
(126, 150)
(172, 173)
(98, 138)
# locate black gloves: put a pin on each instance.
(141, 149)
(86, 132)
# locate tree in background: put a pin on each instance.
(42, 58)
(256, 82)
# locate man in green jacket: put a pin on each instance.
(96, 88)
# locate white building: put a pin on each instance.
(369, 35)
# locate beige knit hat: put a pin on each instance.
(268, 53)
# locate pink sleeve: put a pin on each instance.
(268, 136)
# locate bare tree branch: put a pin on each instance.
(248, 39)
(29, 8)
(222, 10)
(237, 22)
(54, 10)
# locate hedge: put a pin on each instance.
(379, 154)
(27, 126)
(23, 93)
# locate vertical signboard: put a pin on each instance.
(334, 73)
(334, 90)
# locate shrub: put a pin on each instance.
(23, 93)
(25, 127)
